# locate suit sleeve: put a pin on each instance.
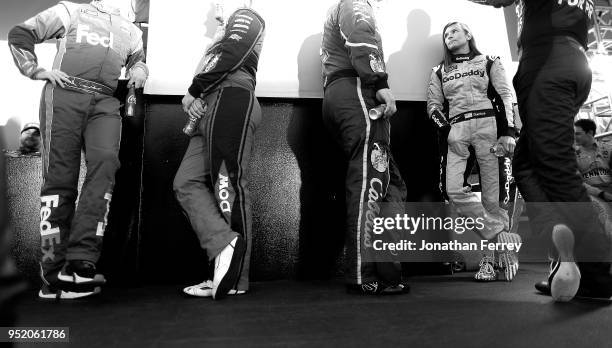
(435, 100)
(136, 59)
(49, 24)
(435, 95)
(243, 33)
(502, 86)
(358, 29)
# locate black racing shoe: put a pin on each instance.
(543, 287)
(49, 292)
(377, 288)
(81, 272)
(595, 282)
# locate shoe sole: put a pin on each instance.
(67, 295)
(76, 279)
(564, 281)
(231, 276)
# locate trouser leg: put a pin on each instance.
(483, 138)
(233, 125)
(102, 136)
(62, 115)
(550, 96)
(211, 183)
(365, 144)
(466, 202)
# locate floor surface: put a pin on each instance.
(440, 311)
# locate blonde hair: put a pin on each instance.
(448, 55)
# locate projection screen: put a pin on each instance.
(179, 32)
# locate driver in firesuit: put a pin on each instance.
(462, 86)
(355, 80)
(78, 113)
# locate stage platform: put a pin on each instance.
(440, 311)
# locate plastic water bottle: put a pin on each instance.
(130, 102)
(193, 122)
(191, 126)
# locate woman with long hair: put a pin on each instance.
(470, 99)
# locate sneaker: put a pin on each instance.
(487, 272)
(377, 288)
(50, 293)
(80, 272)
(508, 259)
(227, 267)
(204, 289)
(594, 282)
(564, 278)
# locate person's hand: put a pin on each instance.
(495, 3)
(507, 143)
(197, 108)
(385, 96)
(55, 76)
(188, 99)
(138, 77)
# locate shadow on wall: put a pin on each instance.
(11, 132)
(413, 136)
(309, 65)
(418, 55)
(322, 203)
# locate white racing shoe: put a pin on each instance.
(487, 272)
(205, 289)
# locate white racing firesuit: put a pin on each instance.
(465, 91)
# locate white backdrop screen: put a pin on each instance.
(180, 30)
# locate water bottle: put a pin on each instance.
(498, 150)
(377, 112)
(130, 102)
(193, 122)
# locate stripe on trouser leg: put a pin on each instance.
(364, 175)
(46, 143)
(102, 224)
(241, 194)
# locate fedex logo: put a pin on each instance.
(93, 39)
(50, 236)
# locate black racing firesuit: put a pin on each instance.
(552, 82)
(354, 70)
(211, 183)
(94, 43)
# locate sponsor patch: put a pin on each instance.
(376, 63)
(211, 62)
(89, 12)
(379, 158)
(235, 37)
